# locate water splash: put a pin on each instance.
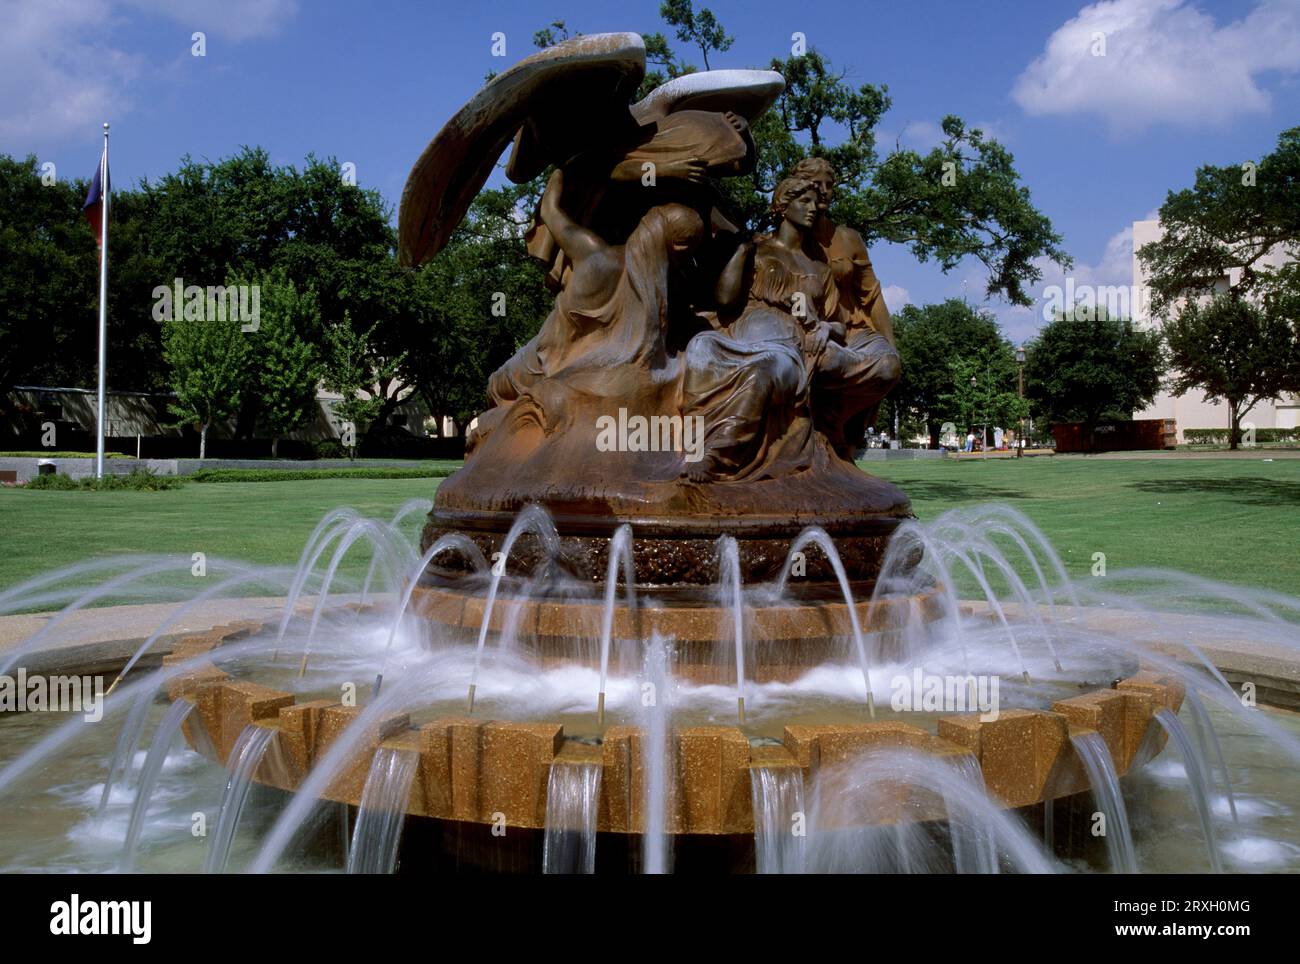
(779, 819)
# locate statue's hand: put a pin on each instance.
(690, 169)
(737, 122)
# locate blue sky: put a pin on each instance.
(1098, 140)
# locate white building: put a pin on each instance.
(1194, 410)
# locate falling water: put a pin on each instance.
(779, 819)
(245, 756)
(1208, 740)
(572, 803)
(816, 535)
(730, 596)
(620, 548)
(533, 518)
(1196, 778)
(163, 739)
(383, 811)
(655, 761)
(1095, 756)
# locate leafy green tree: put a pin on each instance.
(1088, 367)
(962, 199)
(286, 363)
(1234, 350)
(1238, 224)
(942, 346)
(209, 361)
(48, 280)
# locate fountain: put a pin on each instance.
(660, 621)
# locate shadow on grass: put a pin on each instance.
(958, 492)
(1248, 491)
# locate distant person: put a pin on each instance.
(970, 441)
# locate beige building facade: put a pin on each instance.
(1193, 410)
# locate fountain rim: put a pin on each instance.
(474, 769)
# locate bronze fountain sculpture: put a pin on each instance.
(746, 366)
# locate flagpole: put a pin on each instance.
(103, 307)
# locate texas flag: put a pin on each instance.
(93, 208)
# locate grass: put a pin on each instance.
(248, 521)
(1234, 520)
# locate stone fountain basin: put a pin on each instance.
(489, 771)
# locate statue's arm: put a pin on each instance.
(867, 285)
(730, 287)
(577, 241)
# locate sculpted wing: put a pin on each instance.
(556, 101)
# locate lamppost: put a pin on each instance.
(1020, 379)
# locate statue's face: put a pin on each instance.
(825, 188)
(801, 209)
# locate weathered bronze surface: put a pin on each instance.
(693, 379)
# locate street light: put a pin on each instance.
(1020, 378)
(972, 410)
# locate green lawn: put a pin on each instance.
(1234, 520)
(261, 522)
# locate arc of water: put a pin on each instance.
(374, 533)
(336, 521)
(818, 536)
(1096, 758)
(1205, 734)
(342, 751)
(378, 829)
(163, 739)
(406, 508)
(245, 757)
(731, 597)
(452, 540)
(179, 614)
(532, 518)
(99, 592)
(1196, 778)
(620, 548)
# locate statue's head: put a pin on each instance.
(819, 171)
(797, 200)
(683, 229)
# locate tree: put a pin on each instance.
(286, 362)
(963, 199)
(209, 358)
(942, 346)
(48, 280)
(349, 370)
(1224, 272)
(1233, 350)
(1088, 367)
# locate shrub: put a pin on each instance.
(137, 481)
(1219, 436)
(297, 475)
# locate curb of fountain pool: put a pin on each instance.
(1273, 670)
(489, 771)
(101, 640)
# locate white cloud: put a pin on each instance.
(61, 74)
(56, 76)
(896, 297)
(232, 19)
(1165, 61)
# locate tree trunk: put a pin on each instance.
(1234, 424)
(203, 441)
(275, 446)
